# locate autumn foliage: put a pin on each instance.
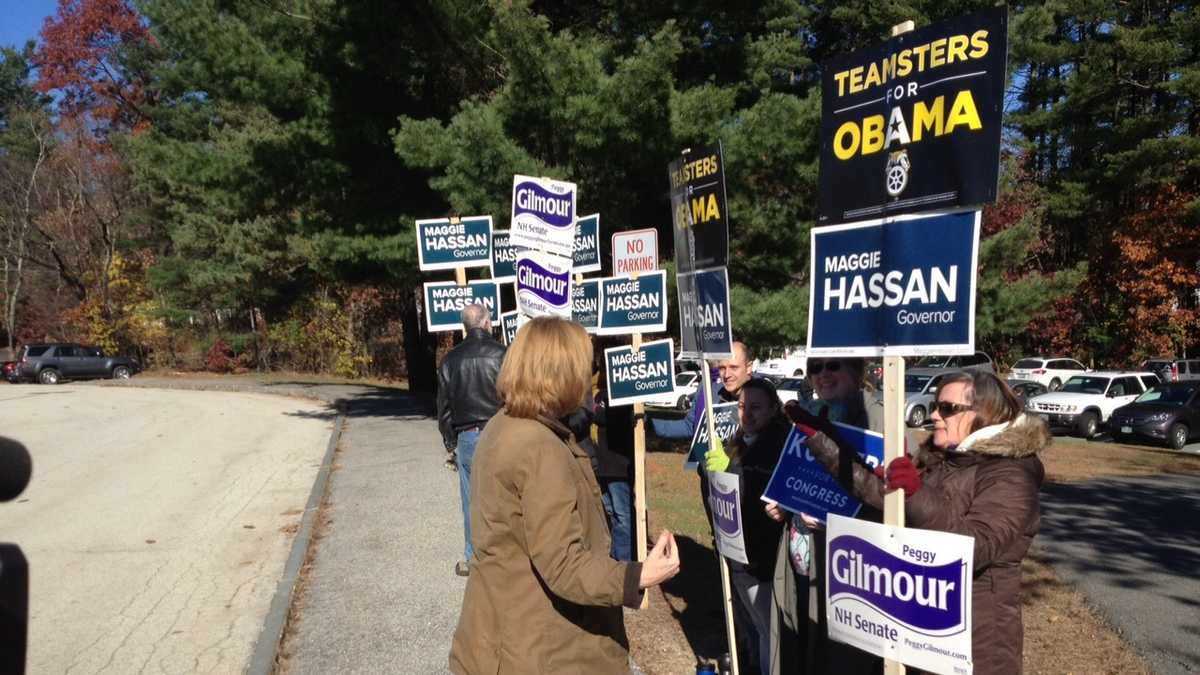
(85, 57)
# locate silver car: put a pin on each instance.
(920, 391)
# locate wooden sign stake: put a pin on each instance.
(639, 473)
(726, 591)
(893, 424)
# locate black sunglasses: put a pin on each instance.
(815, 367)
(947, 409)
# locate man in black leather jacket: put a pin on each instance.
(466, 401)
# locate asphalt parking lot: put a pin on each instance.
(157, 522)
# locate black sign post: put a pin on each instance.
(913, 124)
(699, 212)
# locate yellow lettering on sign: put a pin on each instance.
(927, 118)
(872, 137)
(963, 111)
(704, 210)
(979, 44)
(840, 149)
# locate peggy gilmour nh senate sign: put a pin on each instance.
(914, 124)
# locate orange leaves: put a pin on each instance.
(84, 55)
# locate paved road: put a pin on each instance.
(157, 523)
(382, 594)
(1133, 547)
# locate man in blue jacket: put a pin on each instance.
(734, 373)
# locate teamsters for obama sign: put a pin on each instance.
(913, 124)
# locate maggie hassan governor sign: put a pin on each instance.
(901, 287)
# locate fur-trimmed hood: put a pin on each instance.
(1025, 436)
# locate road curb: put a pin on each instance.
(266, 648)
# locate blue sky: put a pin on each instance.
(20, 20)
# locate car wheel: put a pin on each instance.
(1087, 425)
(916, 418)
(48, 376)
(121, 373)
(798, 373)
(1055, 384)
(682, 403)
(1177, 437)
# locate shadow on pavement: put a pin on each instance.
(1125, 522)
(1134, 547)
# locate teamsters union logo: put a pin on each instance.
(896, 172)
(926, 599)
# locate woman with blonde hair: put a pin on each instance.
(543, 595)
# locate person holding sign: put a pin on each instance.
(799, 627)
(543, 595)
(978, 475)
(752, 456)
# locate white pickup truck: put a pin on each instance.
(1086, 401)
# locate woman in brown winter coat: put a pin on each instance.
(543, 595)
(978, 475)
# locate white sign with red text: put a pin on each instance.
(635, 251)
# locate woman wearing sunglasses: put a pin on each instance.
(978, 475)
(799, 632)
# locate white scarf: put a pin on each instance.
(987, 432)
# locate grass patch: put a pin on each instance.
(1069, 460)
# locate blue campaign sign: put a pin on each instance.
(508, 327)
(586, 256)
(900, 287)
(802, 485)
(705, 328)
(629, 305)
(444, 302)
(638, 375)
(585, 304)
(504, 257)
(443, 244)
(725, 421)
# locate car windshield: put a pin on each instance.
(35, 351)
(1028, 363)
(915, 384)
(933, 362)
(1168, 395)
(683, 379)
(1086, 385)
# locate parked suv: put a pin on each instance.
(1051, 372)
(1168, 413)
(1174, 370)
(52, 363)
(976, 361)
(1086, 401)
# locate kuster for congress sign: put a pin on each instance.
(899, 288)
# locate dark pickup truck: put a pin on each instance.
(54, 362)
